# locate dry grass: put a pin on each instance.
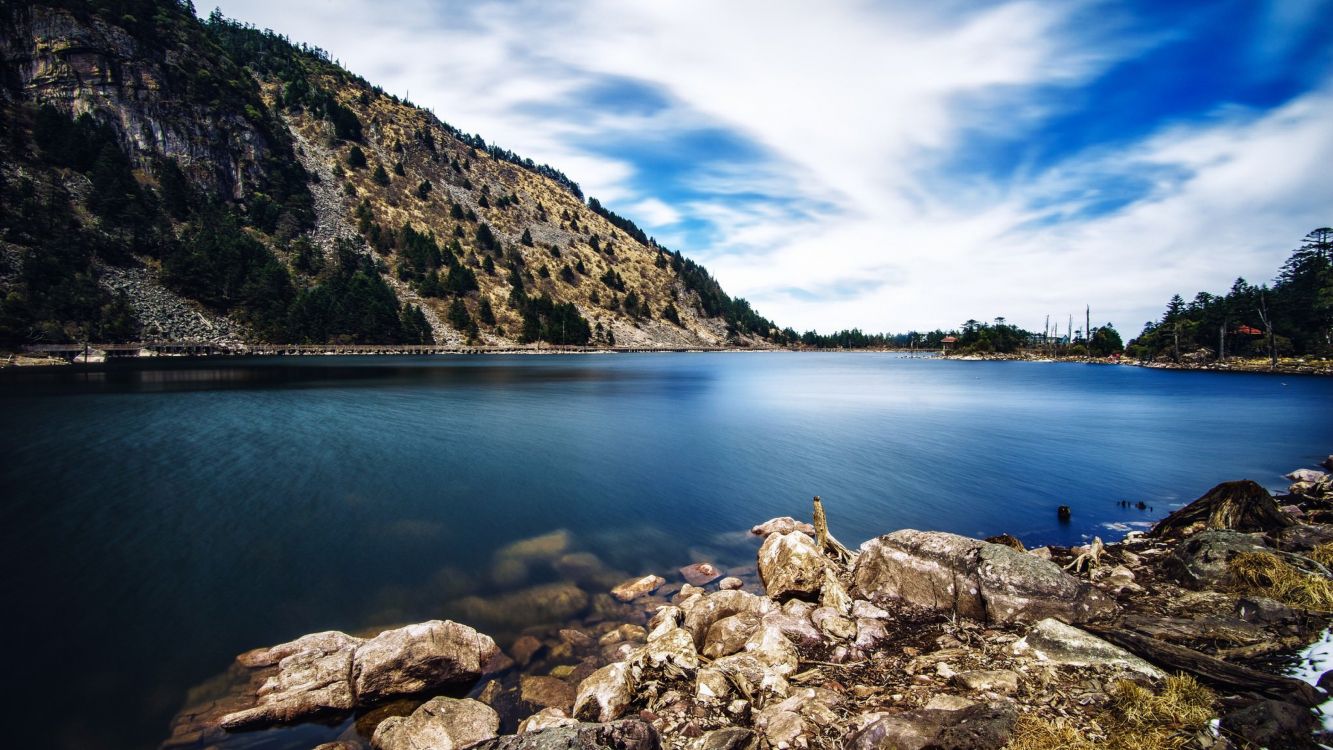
(1323, 554)
(1267, 574)
(1137, 719)
(1032, 733)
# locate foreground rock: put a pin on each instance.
(791, 565)
(616, 735)
(333, 672)
(987, 582)
(439, 724)
(985, 726)
(1053, 641)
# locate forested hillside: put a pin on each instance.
(166, 177)
(1292, 317)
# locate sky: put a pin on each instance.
(895, 166)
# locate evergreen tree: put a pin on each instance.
(527, 238)
(356, 158)
(423, 190)
(380, 176)
(484, 312)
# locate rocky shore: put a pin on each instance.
(1178, 638)
(1198, 361)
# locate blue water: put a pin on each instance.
(160, 517)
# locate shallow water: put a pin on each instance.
(162, 516)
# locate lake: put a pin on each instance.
(161, 516)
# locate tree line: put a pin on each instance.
(1291, 317)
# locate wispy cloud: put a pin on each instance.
(887, 167)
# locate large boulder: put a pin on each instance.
(419, 657)
(1203, 561)
(312, 678)
(791, 565)
(1053, 641)
(616, 735)
(438, 724)
(988, 582)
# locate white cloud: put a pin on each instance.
(852, 109)
(654, 213)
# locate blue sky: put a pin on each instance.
(895, 165)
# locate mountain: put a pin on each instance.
(166, 177)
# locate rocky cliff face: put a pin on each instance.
(344, 197)
(142, 88)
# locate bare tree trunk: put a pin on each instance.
(1222, 342)
(1087, 331)
(1268, 331)
(1175, 342)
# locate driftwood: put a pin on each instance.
(1090, 559)
(1239, 506)
(825, 540)
(1230, 630)
(1215, 672)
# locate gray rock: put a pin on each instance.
(1270, 723)
(606, 694)
(729, 583)
(985, 726)
(1305, 475)
(791, 565)
(438, 724)
(616, 735)
(419, 657)
(1053, 641)
(1202, 560)
(782, 729)
(1261, 610)
(988, 582)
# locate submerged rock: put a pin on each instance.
(634, 588)
(983, 581)
(540, 692)
(700, 574)
(548, 603)
(439, 724)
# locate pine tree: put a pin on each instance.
(423, 190)
(356, 158)
(380, 176)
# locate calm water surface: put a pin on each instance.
(160, 517)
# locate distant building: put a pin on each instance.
(1245, 330)
(948, 342)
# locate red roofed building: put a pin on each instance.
(948, 341)
(1245, 330)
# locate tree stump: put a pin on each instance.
(1235, 506)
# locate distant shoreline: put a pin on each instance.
(1286, 366)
